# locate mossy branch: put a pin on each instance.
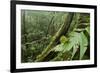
(62, 31)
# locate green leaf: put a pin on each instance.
(75, 40)
(83, 44)
(88, 30)
(67, 46)
(75, 48)
(79, 30)
(63, 47)
(59, 47)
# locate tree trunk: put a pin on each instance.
(73, 25)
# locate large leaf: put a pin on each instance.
(83, 44)
(75, 48)
(81, 40)
(76, 40)
(67, 46)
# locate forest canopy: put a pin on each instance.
(54, 36)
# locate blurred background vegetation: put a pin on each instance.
(54, 36)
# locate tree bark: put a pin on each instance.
(73, 25)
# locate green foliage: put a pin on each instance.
(59, 47)
(39, 28)
(76, 40)
(83, 44)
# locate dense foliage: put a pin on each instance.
(54, 36)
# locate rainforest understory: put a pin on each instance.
(54, 36)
